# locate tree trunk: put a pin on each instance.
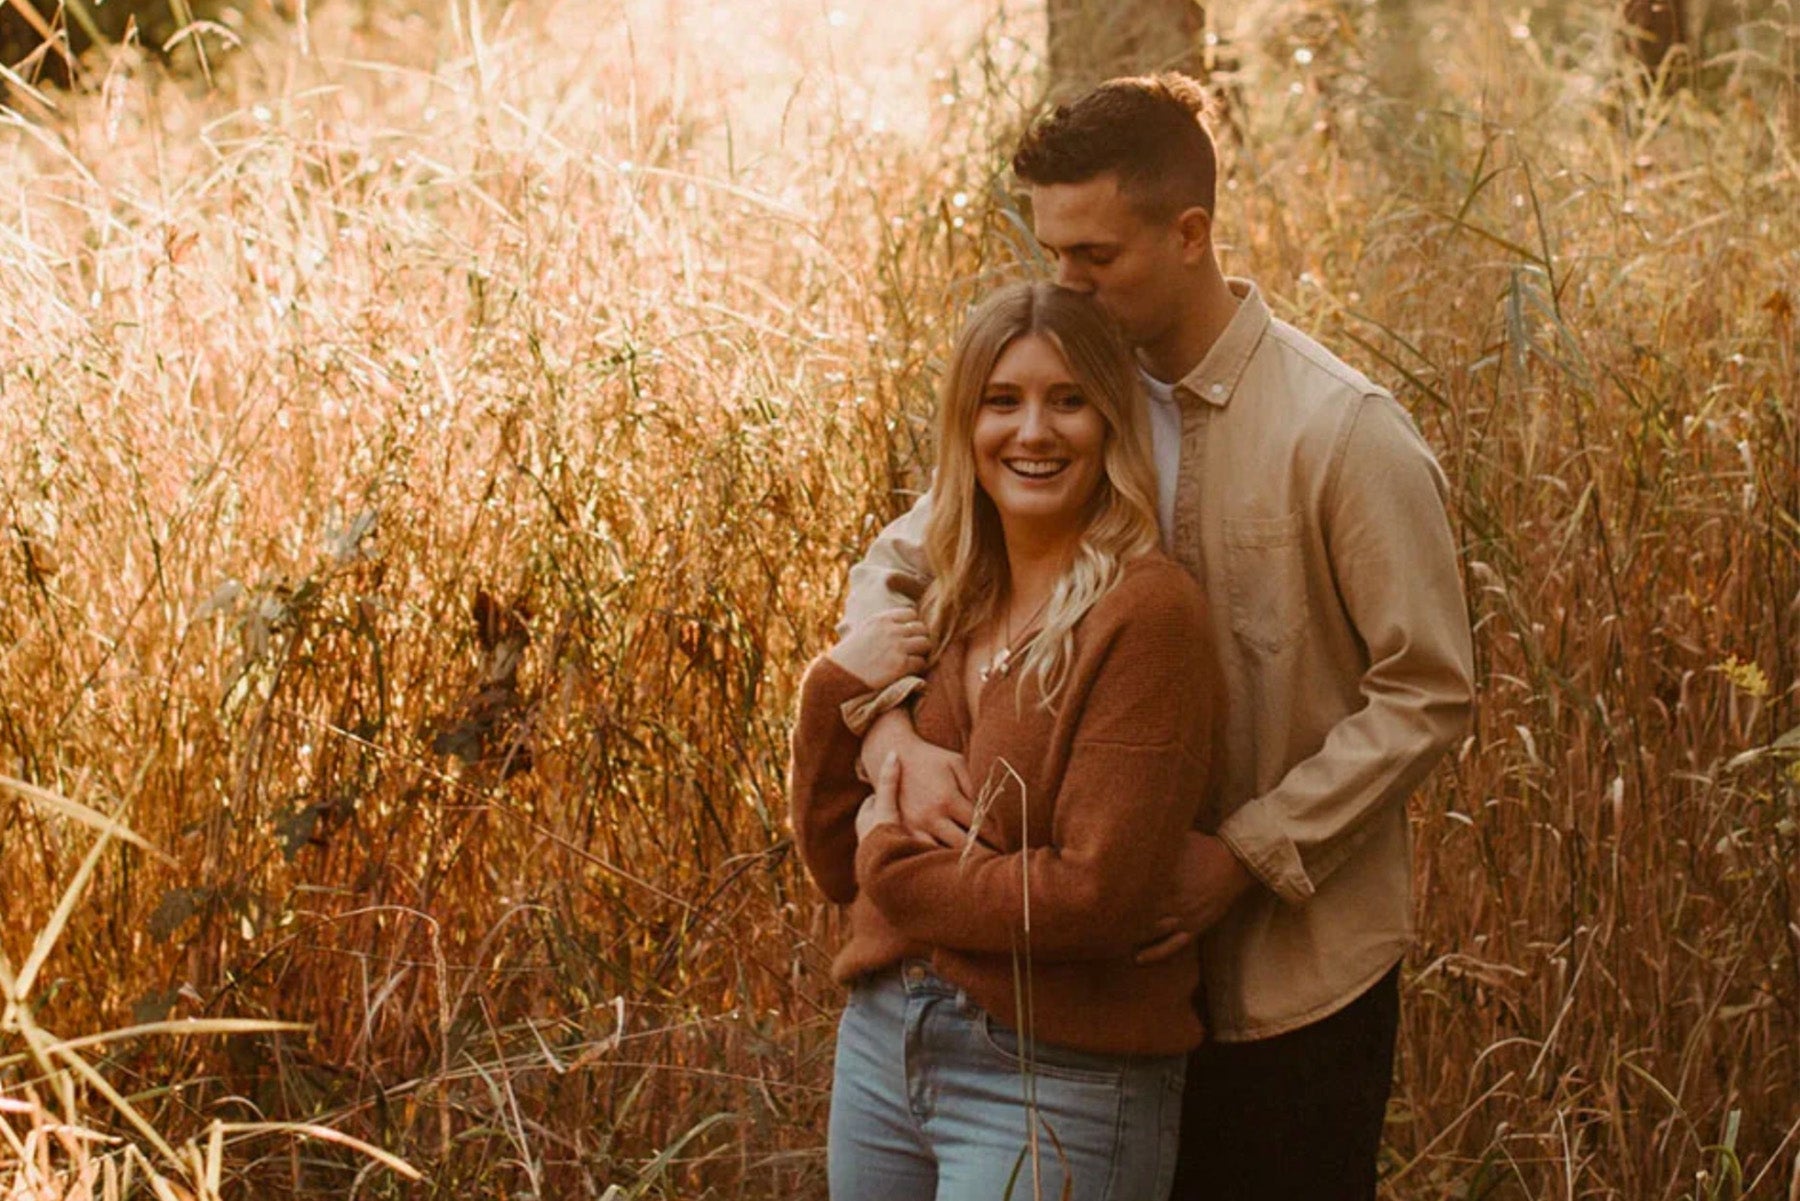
(73, 27)
(1095, 40)
(1654, 31)
(1396, 64)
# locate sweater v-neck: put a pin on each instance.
(951, 666)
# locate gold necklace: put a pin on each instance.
(1000, 662)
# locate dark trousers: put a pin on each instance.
(1296, 1117)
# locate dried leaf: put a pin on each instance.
(177, 906)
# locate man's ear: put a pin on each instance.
(1195, 226)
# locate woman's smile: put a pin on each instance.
(1039, 445)
(1037, 469)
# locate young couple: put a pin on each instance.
(1130, 890)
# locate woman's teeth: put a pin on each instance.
(1037, 469)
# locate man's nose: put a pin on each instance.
(1072, 275)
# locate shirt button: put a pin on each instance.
(1217, 389)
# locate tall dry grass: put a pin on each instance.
(622, 315)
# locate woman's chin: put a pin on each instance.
(1043, 522)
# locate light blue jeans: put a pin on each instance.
(930, 1103)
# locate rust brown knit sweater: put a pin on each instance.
(1110, 782)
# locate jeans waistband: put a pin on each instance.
(915, 978)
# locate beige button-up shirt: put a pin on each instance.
(1312, 513)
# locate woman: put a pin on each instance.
(999, 1038)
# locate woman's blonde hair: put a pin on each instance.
(963, 538)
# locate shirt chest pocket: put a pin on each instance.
(1266, 577)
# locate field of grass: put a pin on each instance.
(428, 456)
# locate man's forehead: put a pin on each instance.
(1074, 214)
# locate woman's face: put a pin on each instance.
(1039, 444)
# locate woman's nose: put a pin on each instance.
(1034, 423)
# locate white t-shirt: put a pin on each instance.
(1165, 444)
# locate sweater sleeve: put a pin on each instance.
(1139, 767)
(824, 792)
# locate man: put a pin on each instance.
(1304, 501)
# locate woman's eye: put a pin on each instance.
(999, 400)
(1073, 400)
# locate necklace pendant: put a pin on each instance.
(998, 665)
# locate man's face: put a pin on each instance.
(1104, 246)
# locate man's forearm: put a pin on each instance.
(890, 733)
(897, 556)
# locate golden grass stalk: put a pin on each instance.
(61, 806)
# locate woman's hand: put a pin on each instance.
(883, 805)
(881, 649)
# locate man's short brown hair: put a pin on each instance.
(1149, 130)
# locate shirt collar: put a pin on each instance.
(1155, 389)
(1215, 380)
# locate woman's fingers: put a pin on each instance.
(914, 646)
(884, 804)
(1163, 948)
(906, 621)
(884, 647)
(887, 781)
(960, 769)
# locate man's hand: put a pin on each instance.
(1208, 881)
(934, 792)
(878, 651)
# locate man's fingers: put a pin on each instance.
(947, 833)
(1165, 947)
(958, 810)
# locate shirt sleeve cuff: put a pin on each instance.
(860, 712)
(1257, 840)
